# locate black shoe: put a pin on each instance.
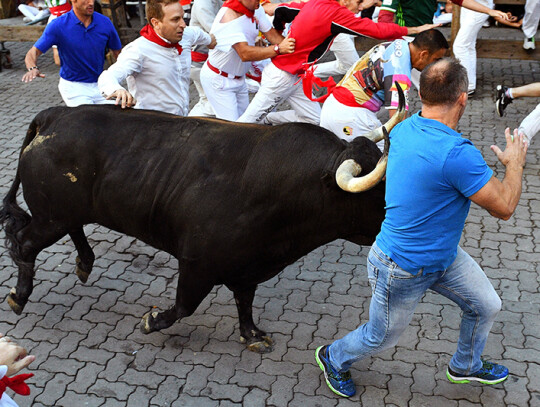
(502, 100)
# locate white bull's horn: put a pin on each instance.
(347, 173)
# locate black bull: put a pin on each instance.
(234, 203)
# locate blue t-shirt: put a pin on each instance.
(431, 173)
(81, 49)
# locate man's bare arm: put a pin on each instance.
(500, 199)
(31, 65)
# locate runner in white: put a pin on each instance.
(157, 64)
(236, 28)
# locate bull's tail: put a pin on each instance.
(12, 216)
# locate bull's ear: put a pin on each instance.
(328, 179)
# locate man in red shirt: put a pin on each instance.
(316, 24)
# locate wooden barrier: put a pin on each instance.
(20, 33)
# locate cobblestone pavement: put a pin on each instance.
(90, 351)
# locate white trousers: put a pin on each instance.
(276, 87)
(203, 106)
(465, 43)
(80, 93)
(345, 51)
(531, 18)
(228, 96)
(347, 122)
(33, 12)
(530, 126)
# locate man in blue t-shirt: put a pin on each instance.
(433, 174)
(82, 37)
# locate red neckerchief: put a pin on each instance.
(309, 80)
(16, 383)
(149, 33)
(240, 8)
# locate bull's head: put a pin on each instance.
(347, 173)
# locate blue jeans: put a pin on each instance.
(395, 294)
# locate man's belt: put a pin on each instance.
(220, 72)
(198, 56)
(61, 9)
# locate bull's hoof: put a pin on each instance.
(13, 304)
(147, 322)
(79, 270)
(264, 346)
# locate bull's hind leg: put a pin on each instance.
(256, 340)
(86, 257)
(192, 288)
(30, 241)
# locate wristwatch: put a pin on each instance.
(276, 49)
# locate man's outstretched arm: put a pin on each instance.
(500, 199)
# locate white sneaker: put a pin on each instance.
(528, 43)
(27, 19)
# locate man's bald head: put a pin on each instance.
(443, 82)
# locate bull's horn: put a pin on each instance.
(347, 173)
(377, 134)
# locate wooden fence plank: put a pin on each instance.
(20, 33)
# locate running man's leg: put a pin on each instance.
(276, 86)
(465, 43)
(465, 283)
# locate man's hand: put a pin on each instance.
(213, 43)
(500, 14)
(287, 45)
(516, 150)
(418, 30)
(369, 3)
(123, 97)
(13, 356)
(31, 75)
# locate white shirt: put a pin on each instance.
(203, 13)
(241, 29)
(5, 401)
(158, 77)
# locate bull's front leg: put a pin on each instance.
(256, 340)
(86, 257)
(192, 289)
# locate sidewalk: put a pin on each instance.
(90, 351)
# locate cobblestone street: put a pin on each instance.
(90, 351)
